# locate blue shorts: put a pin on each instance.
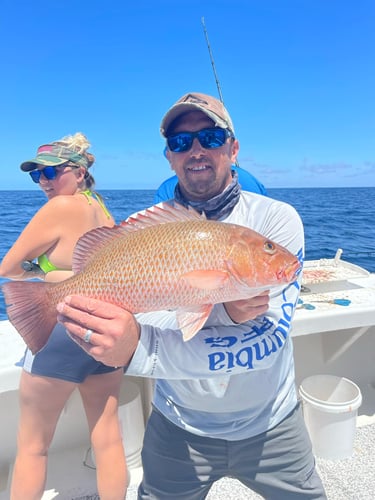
(278, 464)
(62, 358)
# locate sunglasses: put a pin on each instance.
(209, 138)
(50, 173)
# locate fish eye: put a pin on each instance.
(269, 247)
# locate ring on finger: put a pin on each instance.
(87, 336)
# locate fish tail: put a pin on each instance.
(31, 311)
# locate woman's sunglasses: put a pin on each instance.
(50, 173)
(209, 138)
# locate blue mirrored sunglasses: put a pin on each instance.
(50, 173)
(209, 138)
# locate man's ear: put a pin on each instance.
(234, 150)
(167, 154)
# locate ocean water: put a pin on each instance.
(333, 218)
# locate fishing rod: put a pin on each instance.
(214, 69)
(212, 61)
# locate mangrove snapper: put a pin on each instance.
(166, 258)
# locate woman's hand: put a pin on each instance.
(112, 333)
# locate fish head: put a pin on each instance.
(257, 261)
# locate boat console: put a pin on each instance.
(333, 329)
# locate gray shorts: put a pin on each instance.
(62, 358)
(278, 464)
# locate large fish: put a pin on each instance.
(167, 257)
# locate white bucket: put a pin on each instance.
(132, 425)
(330, 407)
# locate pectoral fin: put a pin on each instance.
(206, 279)
(191, 320)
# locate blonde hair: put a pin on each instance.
(80, 144)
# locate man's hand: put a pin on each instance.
(244, 310)
(115, 332)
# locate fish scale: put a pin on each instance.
(147, 256)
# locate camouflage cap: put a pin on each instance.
(53, 155)
(195, 101)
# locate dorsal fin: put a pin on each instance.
(98, 238)
(91, 242)
(163, 213)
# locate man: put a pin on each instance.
(225, 402)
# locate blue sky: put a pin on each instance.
(297, 76)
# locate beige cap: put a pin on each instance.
(195, 101)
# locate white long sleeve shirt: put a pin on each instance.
(230, 381)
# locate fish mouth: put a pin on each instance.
(290, 272)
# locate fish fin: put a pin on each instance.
(30, 311)
(191, 320)
(161, 214)
(91, 242)
(206, 279)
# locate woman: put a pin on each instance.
(61, 169)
